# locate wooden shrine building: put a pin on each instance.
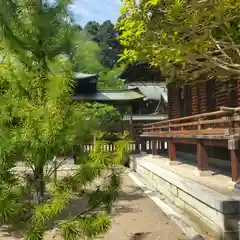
(203, 122)
(148, 80)
(146, 97)
(86, 90)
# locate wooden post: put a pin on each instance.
(162, 146)
(154, 147)
(233, 146)
(137, 146)
(202, 157)
(172, 151)
(235, 164)
(131, 121)
(143, 146)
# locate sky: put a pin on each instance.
(96, 10)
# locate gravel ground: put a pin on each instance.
(135, 213)
(135, 217)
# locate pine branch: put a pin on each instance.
(10, 35)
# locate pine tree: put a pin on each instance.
(39, 121)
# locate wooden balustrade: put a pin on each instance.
(214, 129)
(222, 123)
(108, 147)
(134, 147)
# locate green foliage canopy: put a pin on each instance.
(39, 121)
(186, 39)
(86, 54)
(106, 36)
(109, 79)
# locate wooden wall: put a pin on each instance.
(202, 97)
(194, 99)
(238, 93)
(221, 94)
(173, 104)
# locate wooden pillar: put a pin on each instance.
(154, 147)
(235, 164)
(162, 146)
(202, 157)
(143, 145)
(172, 150)
(131, 121)
(137, 146)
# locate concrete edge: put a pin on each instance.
(193, 188)
(170, 213)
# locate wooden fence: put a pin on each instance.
(109, 147)
(134, 147)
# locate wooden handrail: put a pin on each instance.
(190, 124)
(200, 124)
(201, 115)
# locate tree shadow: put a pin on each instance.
(76, 207)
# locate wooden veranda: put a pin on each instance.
(216, 129)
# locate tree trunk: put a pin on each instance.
(39, 185)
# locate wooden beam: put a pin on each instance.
(235, 164)
(184, 135)
(172, 150)
(184, 140)
(215, 143)
(202, 157)
(154, 147)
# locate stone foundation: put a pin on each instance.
(217, 211)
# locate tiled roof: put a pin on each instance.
(151, 91)
(110, 95)
(84, 75)
(145, 117)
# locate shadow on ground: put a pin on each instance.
(130, 193)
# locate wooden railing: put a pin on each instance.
(133, 147)
(224, 122)
(108, 147)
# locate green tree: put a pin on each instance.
(86, 54)
(38, 121)
(185, 39)
(109, 79)
(106, 36)
(92, 28)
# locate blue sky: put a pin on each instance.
(97, 10)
